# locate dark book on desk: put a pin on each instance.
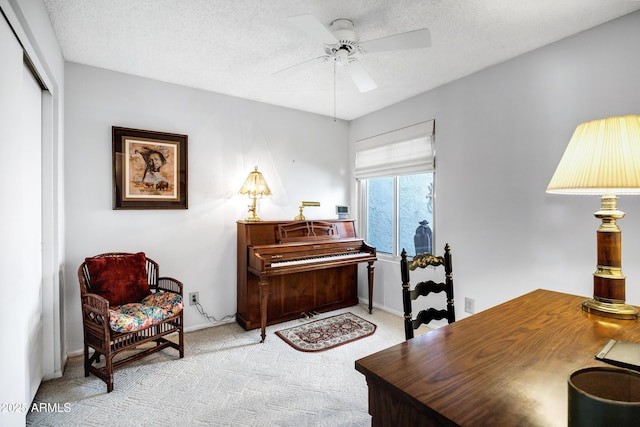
(621, 353)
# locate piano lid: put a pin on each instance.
(278, 232)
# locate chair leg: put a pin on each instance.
(109, 370)
(181, 337)
(408, 329)
(86, 360)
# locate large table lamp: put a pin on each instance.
(603, 158)
(256, 187)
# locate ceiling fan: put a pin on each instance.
(342, 45)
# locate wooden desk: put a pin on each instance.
(506, 366)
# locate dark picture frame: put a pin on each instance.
(149, 169)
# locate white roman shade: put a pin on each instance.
(398, 152)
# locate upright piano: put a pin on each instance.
(289, 269)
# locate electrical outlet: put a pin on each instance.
(469, 305)
(194, 298)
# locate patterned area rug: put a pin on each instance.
(327, 333)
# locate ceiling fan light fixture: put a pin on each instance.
(342, 57)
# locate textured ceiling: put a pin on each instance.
(234, 46)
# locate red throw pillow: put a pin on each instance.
(119, 279)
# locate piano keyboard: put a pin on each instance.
(318, 259)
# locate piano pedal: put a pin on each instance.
(315, 313)
(305, 315)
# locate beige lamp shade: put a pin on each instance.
(255, 185)
(603, 157)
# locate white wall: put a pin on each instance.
(302, 157)
(500, 134)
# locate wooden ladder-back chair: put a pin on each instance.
(425, 288)
(125, 305)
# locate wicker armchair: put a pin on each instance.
(111, 327)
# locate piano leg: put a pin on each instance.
(370, 269)
(264, 298)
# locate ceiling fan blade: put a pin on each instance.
(299, 67)
(409, 40)
(310, 25)
(360, 76)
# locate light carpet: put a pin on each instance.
(227, 378)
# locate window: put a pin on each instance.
(396, 176)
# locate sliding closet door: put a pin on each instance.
(31, 233)
(20, 227)
(14, 339)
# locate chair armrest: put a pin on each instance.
(170, 284)
(95, 309)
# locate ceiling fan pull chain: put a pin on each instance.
(334, 89)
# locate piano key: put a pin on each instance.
(319, 259)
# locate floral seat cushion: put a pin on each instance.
(152, 310)
(170, 303)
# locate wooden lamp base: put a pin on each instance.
(608, 280)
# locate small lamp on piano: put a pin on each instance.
(300, 216)
(603, 158)
(256, 187)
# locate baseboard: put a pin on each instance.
(433, 325)
(365, 301)
(208, 325)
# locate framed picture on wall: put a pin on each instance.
(149, 169)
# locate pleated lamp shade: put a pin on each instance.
(603, 157)
(255, 185)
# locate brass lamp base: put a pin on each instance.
(300, 216)
(253, 208)
(608, 281)
(613, 310)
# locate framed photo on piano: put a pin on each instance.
(149, 169)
